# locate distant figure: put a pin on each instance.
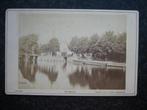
(65, 58)
(64, 54)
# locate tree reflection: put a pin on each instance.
(98, 78)
(80, 76)
(28, 70)
(64, 65)
(50, 72)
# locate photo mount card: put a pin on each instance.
(71, 52)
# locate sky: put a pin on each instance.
(66, 26)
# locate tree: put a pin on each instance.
(114, 46)
(120, 45)
(79, 45)
(108, 40)
(82, 45)
(28, 44)
(109, 46)
(73, 45)
(54, 45)
(119, 48)
(94, 39)
(44, 48)
(102, 47)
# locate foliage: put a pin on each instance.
(110, 46)
(53, 46)
(28, 44)
(73, 46)
(82, 45)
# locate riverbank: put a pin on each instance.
(99, 63)
(82, 61)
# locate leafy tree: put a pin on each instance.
(110, 46)
(28, 44)
(44, 48)
(73, 45)
(119, 48)
(103, 46)
(54, 45)
(120, 45)
(82, 45)
(94, 39)
(79, 45)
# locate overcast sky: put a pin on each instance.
(65, 26)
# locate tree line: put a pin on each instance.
(29, 45)
(52, 46)
(109, 46)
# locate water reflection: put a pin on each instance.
(79, 76)
(28, 70)
(50, 72)
(98, 78)
(64, 66)
(68, 75)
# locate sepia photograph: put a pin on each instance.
(71, 52)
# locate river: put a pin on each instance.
(55, 73)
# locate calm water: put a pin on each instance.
(55, 73)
